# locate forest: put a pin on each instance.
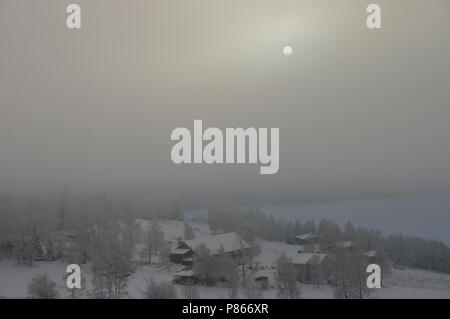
(102, 233)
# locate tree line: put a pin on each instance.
(409, 251)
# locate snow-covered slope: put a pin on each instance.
(410, 283)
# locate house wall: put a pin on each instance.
(306, 273)
(180, 258)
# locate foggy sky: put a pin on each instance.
(362, 113)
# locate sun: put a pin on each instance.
(288, 50)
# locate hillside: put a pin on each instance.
(409, 283)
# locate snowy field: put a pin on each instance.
(410, 283)
(14, 280)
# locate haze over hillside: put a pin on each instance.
(424, 216)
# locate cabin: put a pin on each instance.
(184, 277)
(313, 268)
(262, 278)
(230, 244)
(371, 256)
(182, 256)
(305, 239)
(348, 245)
(316, 248)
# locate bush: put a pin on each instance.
(41, 287)
(160, 291)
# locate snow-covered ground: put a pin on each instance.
(14, 280)
(414, 284)
(410, 283)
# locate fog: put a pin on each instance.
(362, 113)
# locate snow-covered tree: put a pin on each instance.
(176, 212)
(190, 292)
(349, 232)
(287, 278)
(111, 265)
(155, 290)
(154, 237)
(188, 232)
(206, 266)
(316, 270)
(63, 208)
(251, 289)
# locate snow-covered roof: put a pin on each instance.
(306, 236)
(311, 248)
(305, 258)
(371, 253)
(346, 244)
(229, 241)
(184, 273)
(264, 273)
(180, 251)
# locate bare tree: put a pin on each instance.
(251, 289)
(316, 270)
(228, 269)
(246, 254)
(350, 274)
(111, 265)
(153, 239)
(287, 278)
(359, 276)
(188, 232)
(164, 253)
(191, 292)
(206, 266)
(341, 274)
(41, 287)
